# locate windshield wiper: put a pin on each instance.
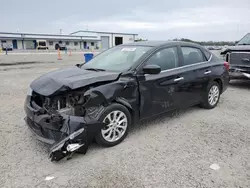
(95, 69)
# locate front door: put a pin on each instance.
(157, 92)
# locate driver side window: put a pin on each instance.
(166, 58)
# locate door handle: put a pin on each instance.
(178, 79)
(207, 72)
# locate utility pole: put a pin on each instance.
(237, 30)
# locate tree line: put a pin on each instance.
(209, 43)
(203, 43)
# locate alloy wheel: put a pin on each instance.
(213, 95)
(117, 123)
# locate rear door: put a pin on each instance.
(195, 70)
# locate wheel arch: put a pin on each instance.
(219, 81)
(123, 102)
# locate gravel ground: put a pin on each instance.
(175, 150)
(41, 57)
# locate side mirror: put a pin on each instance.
(151, 69)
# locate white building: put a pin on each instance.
(75, 41)
(108, 39)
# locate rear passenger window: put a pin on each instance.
(192, 55)
(166, 58)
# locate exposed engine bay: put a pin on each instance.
(65, 119)
(69, 104)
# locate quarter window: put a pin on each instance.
(67, 43)
(75, 43)
(166, 58)
(207, 54)
(192, 55)
(51, 43)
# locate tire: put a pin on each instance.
(208, 104)
(125, 117)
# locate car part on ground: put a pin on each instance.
(70, 107)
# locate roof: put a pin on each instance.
(159, 43)
(148, 43)
(45, 36)
(102, 32)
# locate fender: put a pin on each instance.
(123, 92)
(124, 102)
(119, 91)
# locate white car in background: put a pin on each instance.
(7, 46)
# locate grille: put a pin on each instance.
(240, 58)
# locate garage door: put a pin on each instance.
(29, 44)
(104, 42)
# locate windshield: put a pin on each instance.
(245, 40)
(117, 59)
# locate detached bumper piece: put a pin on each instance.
(75, 142)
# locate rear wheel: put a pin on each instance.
(118, 120)
(212, 96)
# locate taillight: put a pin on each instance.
(226, 65)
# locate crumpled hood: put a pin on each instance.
(69, 78)
(236, 48)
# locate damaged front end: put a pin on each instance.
(67, 122)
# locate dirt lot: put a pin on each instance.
(175, 150)
(41, 57)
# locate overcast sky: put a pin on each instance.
(151, 19)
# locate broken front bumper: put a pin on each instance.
(67, 134)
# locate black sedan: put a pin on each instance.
(103, 98)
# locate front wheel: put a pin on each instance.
(118, 120)
(212, 96)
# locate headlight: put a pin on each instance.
(29, 92)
